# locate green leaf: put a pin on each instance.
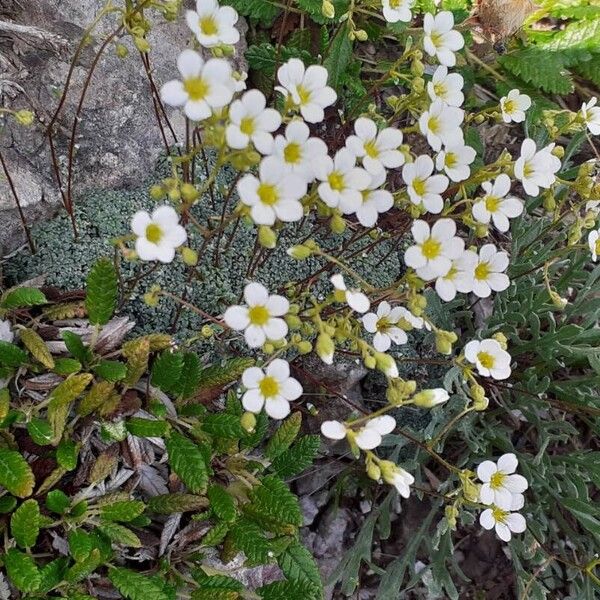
(66, 366)
(111, 370)
(189, 381)
(259, 10)
(22, 297)
(338, 56)
(76, 347)
(22, 570)
(101, 292)
(15, 473)
(298, 564)
(188, 462)
(125, 510)
(37, 347)
(221, 375)
(136, 586)
(167, 370)
(249, 537)
(120, 535)
(222, 503)
(287, 590)
(57, 501)
(263, 57)
(146, 427)
(53, 573)
(100, 393)
(274, 506)
(298, 458)
(25, 523)
(282, 439)
(81, 544)
(11, 355)
(223, 425)
(67, 453)
(7, 504)
(582, 511)
(40, 431)
(166, 504)
(60, 401)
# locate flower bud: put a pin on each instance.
(480, 402)
(121, 50)
(444, 341)
(189, 256)
(337, 224)
(399, 390)
(451, 512)
(501, 339)
(207, 331)
(430, 398)
(268, 348)
(361, 35)
(325, 348)
(370, 362)
(304, 347)
(557, 300)
(418, 84)
(299, 252)
(293, 321)
(386, 364)
(141, 44)
(327, 9)
(481, 230)
(157, 192)
(24, 117)
(248, 422)
(373, 470)
(549, 202)
(470, 489)
(189, 193)
(558, 151)
(267, 237)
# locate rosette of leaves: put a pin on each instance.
(77, 418)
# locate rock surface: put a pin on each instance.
(118, 139)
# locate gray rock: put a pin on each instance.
(118, 140)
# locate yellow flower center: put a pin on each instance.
(509, 107)
(247, 125)
(497, 480)
(258, 315)
(486, 359)
(208, 26)
(395, 4)
(440, 90)
(436, 38)
(268, 194)
(451, 160)
(383, 324)
(371, 149)
(154, 233)
(598, 246)
(482, 271)
(419, 186)
(196, 88)
(292, 153)
(336, 181)
(303, 94)
(451, 274)
(431, 248)
(492, 203)
(433, 124)
(499, 514)
(528, 169)
(269, 387)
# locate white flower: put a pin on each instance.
(397, 476)
(455, 160)
(212, 24)
(440, 40)
(205, 85)
(434, 251)
(158, 235)
(446, 87)
(342, 181)
(367, 437)
(488, 273)
(505, 522)
(459, 278)
(274, 194)
(423, 187)
(298, 152)
(441, 125)
(594, 243)
(536, 169)
(6, 333)
(378, 150)
(409, 321)
(489, 358)
(514, 106)
(374, 202)
(251, 121)
(593, 206)
(397, 10)
(354, 298)
(590, 113)
(307, 88)
(384, 325)
(495, 206)
(500, 483)
(261, 318)
(272, 388)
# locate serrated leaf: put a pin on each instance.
(111, 370)
(84, 568)
(167, 370)
(76, 347)
(7, 504)
(40, 431)
(66, 366)
(221, 375)
(15, 473)
(11, 355)
(101, 292)
(338, 57)
(215, 594)
(287, 590)
(57, 501)
(166, 504)
(67, 453)
(263, 57)
(188, 462)
(80, 544)
(22, 297)
(216, 535)
(135, 586)
(52, 573)
(284, 436)
(22, 570)
(120, 535)
(298, 564)
(222, 503)
(273, 502)
(217, 582)
(146, 427)
(249, 537)
(37, 347)
(137, 353)
(98, 395)
(124, 511)
(263, 11)
(60, 401)
(223, 425)
(188, 383)
(297, 458)
(25, 523)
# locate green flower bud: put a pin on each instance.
(470, 489)
(444, 341)
(121, 50)
(325, 348)
(451, 513)
(386, 364)
(157, 192)
(328, 9)
(558, 151)
(189, 193)
(361, 35)
(293, 321)
(24, 117)
(337, 224)
(267, 237)
(370, 362)
(189, 256)
(304, 347)
(207, 331)
(248, 422)
(299, 252)
(480, 402)
(557, 300)
(141, 44)
(430, 398)
(373, 470)
(268, 348)
(549, 202)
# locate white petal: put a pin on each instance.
(253, 401)
(236, 317)
(334, 430)
(277, 408)
(252, 376)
